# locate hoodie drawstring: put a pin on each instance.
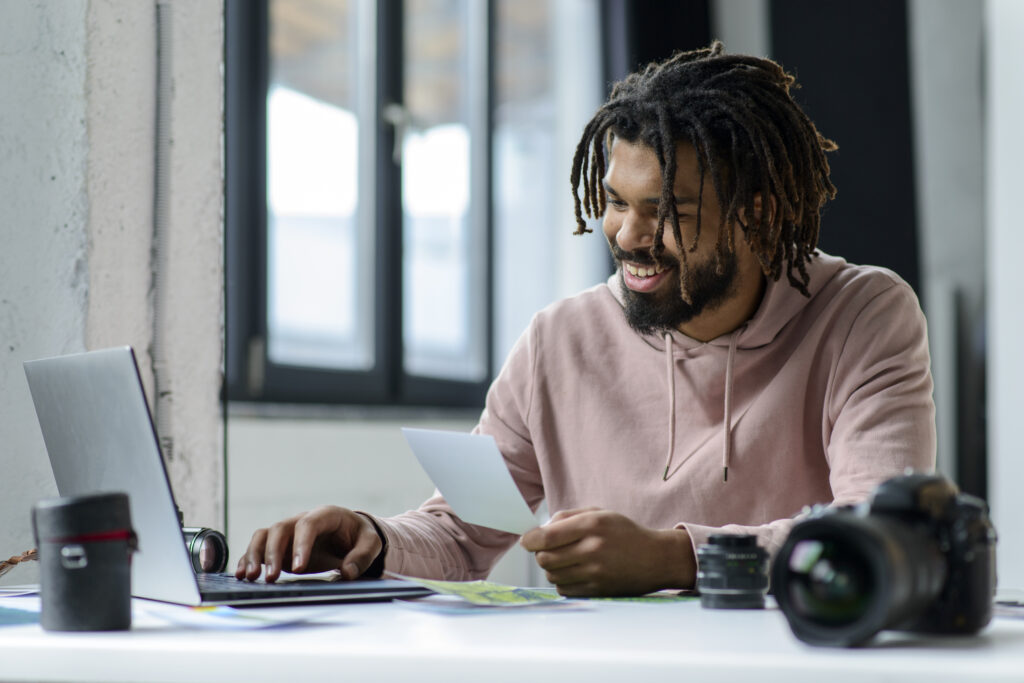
(671, 404)
(727, 419)
(727, 446)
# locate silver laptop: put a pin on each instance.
(100, 437)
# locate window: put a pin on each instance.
(397, 200)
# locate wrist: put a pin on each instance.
(376, 568)
(681, 563)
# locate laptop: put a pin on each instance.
(100, 438)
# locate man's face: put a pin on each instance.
(653, 295)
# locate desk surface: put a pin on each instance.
(604, 641)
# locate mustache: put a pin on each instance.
(643, 258)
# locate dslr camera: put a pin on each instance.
(919, 556)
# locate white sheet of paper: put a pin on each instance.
(472, 476)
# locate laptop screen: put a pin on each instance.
(100, 437)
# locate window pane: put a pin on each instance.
(444, 270)
(318, 314)
(547, 85)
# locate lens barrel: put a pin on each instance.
(207, 548)
(732, 572)
(840, 578)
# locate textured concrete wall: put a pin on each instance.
(44, 269)
(125, 297)
(120, 109)
(195, 279)
(77, 149)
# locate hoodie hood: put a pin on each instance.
(779, 305)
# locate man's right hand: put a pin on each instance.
(328, 537)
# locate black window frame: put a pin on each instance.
(250, 375)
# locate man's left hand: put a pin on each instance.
(591, 552)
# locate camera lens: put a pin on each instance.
(841, 578)
(732, 572)
(207, 548)
(829, 583)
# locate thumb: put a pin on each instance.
(566, 514)
(359, 558)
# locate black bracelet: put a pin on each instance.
(376, 568)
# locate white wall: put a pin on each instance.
(280, 466)
(946, 50)
(1004, 148)
(742, 26)
(44, 275)
(78, 83)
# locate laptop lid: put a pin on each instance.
(99, 436)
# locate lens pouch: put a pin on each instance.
(85, 545)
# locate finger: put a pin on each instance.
(362, 554)
(279, 541)
(582, 589)
(575, 573)
(311, 527)
(250, 564)
(243, 561)
(551, 560)
(566, 514)
(558, 533)
(534, 539)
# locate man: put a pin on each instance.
(697, 390)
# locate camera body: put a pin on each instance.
(919, 556)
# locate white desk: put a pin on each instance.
(608, 642)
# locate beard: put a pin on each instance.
(667, 310)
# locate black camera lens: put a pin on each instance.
(732, 572)
(830, 583)
(919, 556)
(841, 578)
(207, 548)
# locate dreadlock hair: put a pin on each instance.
(749, 134)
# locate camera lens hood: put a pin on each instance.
(840, 578)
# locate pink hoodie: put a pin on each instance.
(811, 401)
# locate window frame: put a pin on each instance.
(250, 375)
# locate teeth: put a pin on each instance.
(642, 271)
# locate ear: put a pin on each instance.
(759, 208)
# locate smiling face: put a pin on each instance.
(720, 299)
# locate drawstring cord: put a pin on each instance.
(671, 404)
(727, 447)
(671, 375)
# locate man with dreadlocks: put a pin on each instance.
(697, 390)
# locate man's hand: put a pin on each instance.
(325, 538)
(589, 552)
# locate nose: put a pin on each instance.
(634, 233)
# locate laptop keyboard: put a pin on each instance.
(222, 582)
(219, 587)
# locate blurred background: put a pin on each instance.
(320, 220)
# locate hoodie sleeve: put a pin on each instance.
(432, 542)
(879, 418)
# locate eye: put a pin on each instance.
(617, 203)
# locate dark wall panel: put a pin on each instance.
(851, 59)
(638, 32)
